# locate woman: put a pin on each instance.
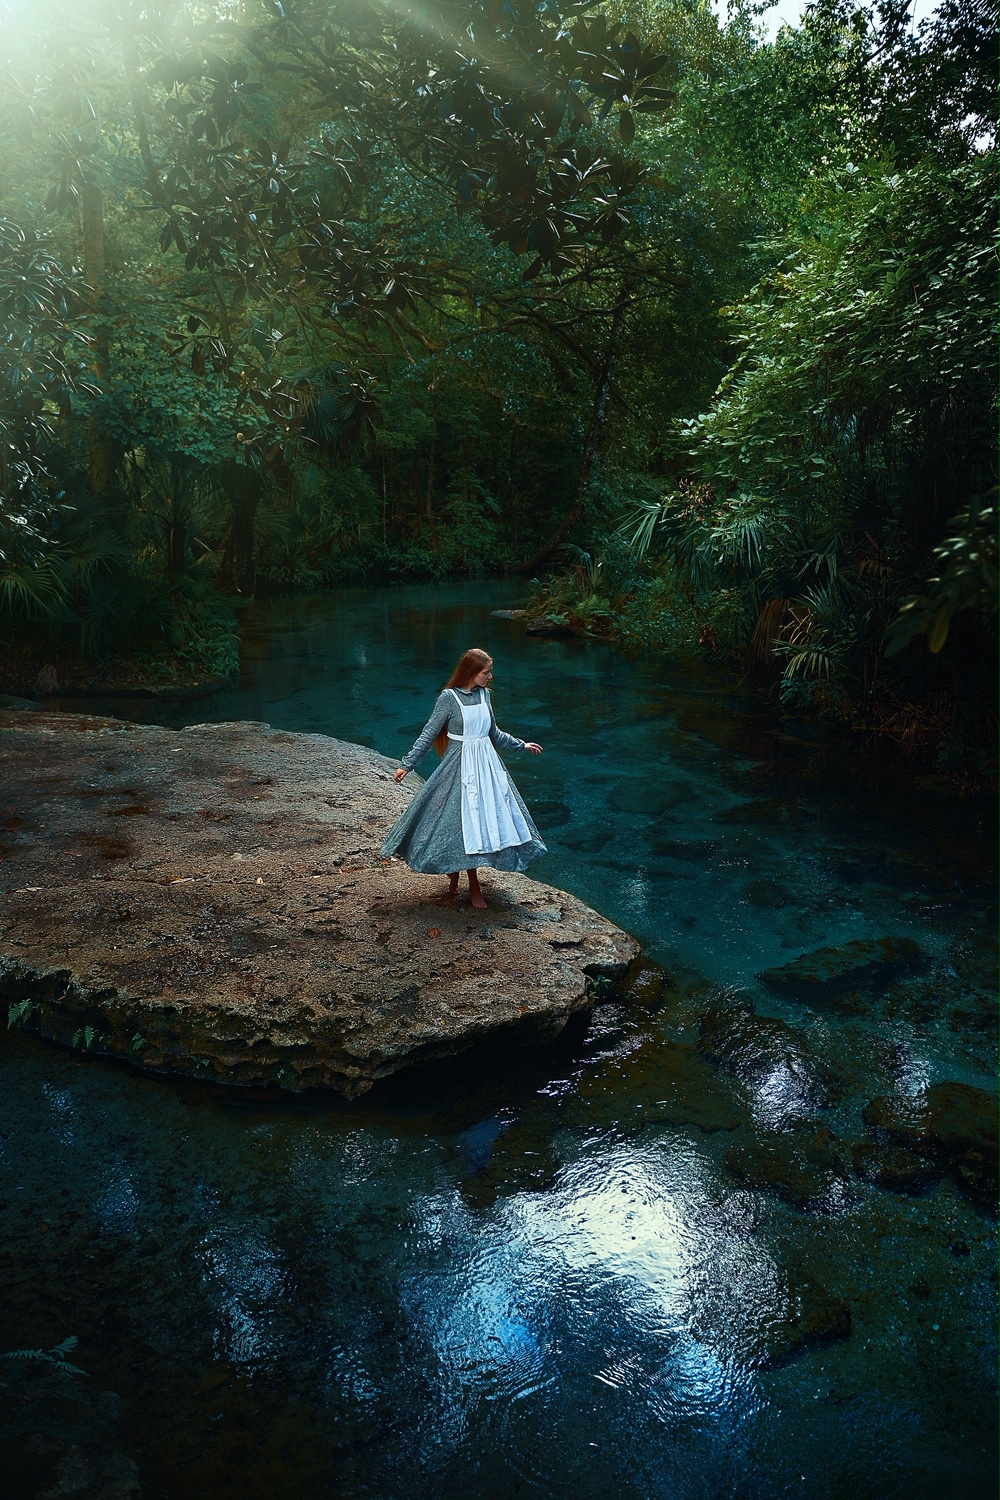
(468, 812)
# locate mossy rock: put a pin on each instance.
(556, 627)
(895, 1168)
(643, 983)
(811, 1317)
(802, 1166)
(660, 1083)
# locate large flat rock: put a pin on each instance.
(211, 901)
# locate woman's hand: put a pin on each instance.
(400, 774)
(530, 745)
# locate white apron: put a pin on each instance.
(491, 817)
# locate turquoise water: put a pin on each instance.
(548, 1278)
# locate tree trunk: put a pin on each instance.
(238, 573)
(101, 447)
(591, 444)
(429, 509)
(512, 504)
(176, 549)
(385, 503)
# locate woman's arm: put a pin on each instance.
(437, 721)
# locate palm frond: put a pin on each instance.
(96, 551)
(34, 592)
(640, 526)
(812, 663)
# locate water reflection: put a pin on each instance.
(247, 1285)
(638, 1266)
(119, 1203)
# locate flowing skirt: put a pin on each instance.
(428, 834)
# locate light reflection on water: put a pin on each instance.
(542, 1279)
(245, 1280)
(588, 1287)
(119, 1204)
(782, 1097)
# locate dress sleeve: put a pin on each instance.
(437, 721)
(501, 740)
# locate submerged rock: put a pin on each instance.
(499, 1158)
(902, 1119)
(805, 1166)
(827, 970)
(895, 1168)
(693, 850)
(769, 895)
(212, 902)
(952, 1123)
(62, 1438)
(660, 1083)
(643, 983)
(764, 1051)
(810, 1316)
(769, 810)
(550, 813)
(963, 1124)
(983, 1022)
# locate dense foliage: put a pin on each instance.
(328, 290)
(235, 193)
(836, 500)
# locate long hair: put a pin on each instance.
(470, 664)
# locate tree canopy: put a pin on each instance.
(319, 290)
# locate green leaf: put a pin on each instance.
(937, 630)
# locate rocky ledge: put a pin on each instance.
(211, 901)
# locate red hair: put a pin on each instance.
(470, 664)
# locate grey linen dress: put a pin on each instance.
(428, 834)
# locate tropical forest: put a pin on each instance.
(498, 746)
(693, 331)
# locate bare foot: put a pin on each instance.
(453, 885)
(476, 896)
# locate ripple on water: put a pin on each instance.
(596, 1287)
(245, 1282)
(553, 1283)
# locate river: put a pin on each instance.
(557, 1277)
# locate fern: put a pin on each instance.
(19, 1011)
(55, 1359)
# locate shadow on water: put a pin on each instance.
(680, 1254)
